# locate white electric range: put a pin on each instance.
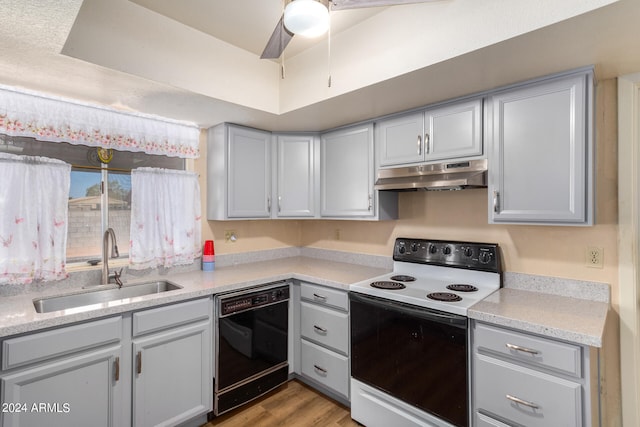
(409, 333)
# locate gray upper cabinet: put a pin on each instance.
(347, 172)
(238, 173)
(347, 177)
(541, 153)
(296, 176)
(445, 132)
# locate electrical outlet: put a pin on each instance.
(337, 234)
(230, 236)
(595, 257)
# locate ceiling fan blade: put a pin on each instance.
(278, 41)
(359, 4)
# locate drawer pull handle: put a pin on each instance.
(322, 297)
(522, 402)
(139, 362)
(319, 369)
(522, 349)
(319, 329)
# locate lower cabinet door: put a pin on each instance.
(325, 367)
(172, 376)
(83, 390)
(520, 395)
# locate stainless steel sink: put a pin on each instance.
(65, 302)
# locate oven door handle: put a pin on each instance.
(424, 313)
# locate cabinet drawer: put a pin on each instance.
(325, 367)
(59, 342)
(536, 351)
(325, 326)
(325, 296)
(169, 316)
(545, 400)
(484, 421)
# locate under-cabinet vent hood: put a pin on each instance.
(438, 176)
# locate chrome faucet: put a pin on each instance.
(105, 257)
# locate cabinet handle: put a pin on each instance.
(117, 369)
(319, 329)
(279, 204)
(427, 143)
(370, 202)
(522, 402)
(419, 145)
(269, 204)
(523, 349)
(496, 201)
(322, 297)
(139, 362)
(319, 369)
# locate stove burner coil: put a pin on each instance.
(403, 278)
(444, 296)
(387, 285)
(462, 287)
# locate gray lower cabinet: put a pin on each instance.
(151, 367)
(541, 152)
(70, 376)
(324, 338)
(172, 377)
(524, 379)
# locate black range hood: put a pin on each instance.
(434, 177)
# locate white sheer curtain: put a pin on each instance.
(165, 218)
(34, 192)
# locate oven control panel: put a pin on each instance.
(470, 255)
(235, 303)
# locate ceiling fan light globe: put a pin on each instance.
(306, 18)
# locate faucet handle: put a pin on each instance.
(116, 276)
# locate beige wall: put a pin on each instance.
(462, 215)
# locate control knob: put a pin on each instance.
(414, 247)
(468, 252)
(433, 249)
(485, 257)
(401, 248)
(446, 250)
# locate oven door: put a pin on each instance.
(250, 343)
(412, 353)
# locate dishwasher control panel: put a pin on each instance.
(252, 298)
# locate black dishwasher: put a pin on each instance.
(250, 345)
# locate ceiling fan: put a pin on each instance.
(296, 19)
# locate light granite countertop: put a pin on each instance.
(566, 309)
(557, 308)
(17, 313)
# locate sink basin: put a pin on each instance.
(65, 302)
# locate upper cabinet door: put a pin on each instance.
(347, 172)
(249, 173)
(400, 139)
(453, 131)
(296, 176)
(449, 131)
(541, 153)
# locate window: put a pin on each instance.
(99, 194)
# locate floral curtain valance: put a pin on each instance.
(24, 113)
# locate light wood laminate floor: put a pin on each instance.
(293, 404)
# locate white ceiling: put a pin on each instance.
(247, 24)
(197, 60)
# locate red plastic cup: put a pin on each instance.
(208, 248)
